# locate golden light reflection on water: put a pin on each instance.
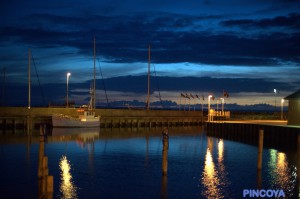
(220, 150)
(282, 170)
(221, 166)
(67, 188)
(282, 176)
(210, 178)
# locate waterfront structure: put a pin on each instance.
(86, 116)
(293, 108)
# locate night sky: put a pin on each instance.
(247, 48)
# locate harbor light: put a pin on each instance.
(68, 76)
(275, 91)
(210, 96)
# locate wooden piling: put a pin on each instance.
(165, 155)
(298, 159)
(260, 149)
(49, 188)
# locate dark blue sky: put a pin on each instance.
(246, 47)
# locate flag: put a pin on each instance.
(192, 96)
(213, 97)
(182, 95)
(225, 94)
(187, 96)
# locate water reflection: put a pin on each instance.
(164, 180)
(67, 188)
(210, 178)
(283, 176)
(220, 151)
(221, 166)
(214, 176)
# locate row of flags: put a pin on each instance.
(189, 96)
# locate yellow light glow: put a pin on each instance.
(67, 188)
(282, 170)
(210, 178)
(220, 150)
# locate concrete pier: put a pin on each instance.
(12, 118)
(276, 133)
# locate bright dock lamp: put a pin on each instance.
(275, 91)
(210, 96)
(68, 76)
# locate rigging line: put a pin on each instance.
(157, 84)
(103, 82)
(41, 89)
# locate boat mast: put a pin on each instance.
(94, 86)
(148, 98)
(3, 87)
(29, 81)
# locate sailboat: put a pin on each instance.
(86, 116)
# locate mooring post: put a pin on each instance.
(298, 161)
(165, 138)
(260, 149)
(49, 188)
(259, 159)
(164, 178)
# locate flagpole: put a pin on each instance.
(180, 102)
(202, 104)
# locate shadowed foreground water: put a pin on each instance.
(139, 164)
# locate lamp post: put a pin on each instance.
(282, 101)
(68, 76)
(275, 91)
(210, 96)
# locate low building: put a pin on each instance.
(294, 108)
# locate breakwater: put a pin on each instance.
(275, 136)
(21, 118)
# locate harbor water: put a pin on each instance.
(139, 163)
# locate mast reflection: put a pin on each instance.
(67, 188)
(164, 179)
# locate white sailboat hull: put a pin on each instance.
(61, 121)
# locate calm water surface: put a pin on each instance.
(139, 164)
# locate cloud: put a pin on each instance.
(205, 39)
(292, 21)
(174, 38)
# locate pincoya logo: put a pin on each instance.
(268, 193)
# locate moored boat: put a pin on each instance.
(86, 116)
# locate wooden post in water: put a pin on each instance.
(259, 159)
(260, 148)
(165, 137)
(45, 182)
(49, 189)
(298, 160)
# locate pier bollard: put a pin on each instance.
(49, 188)
(164, 178)
(298, 159)
(165, 137)
(260, 148)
